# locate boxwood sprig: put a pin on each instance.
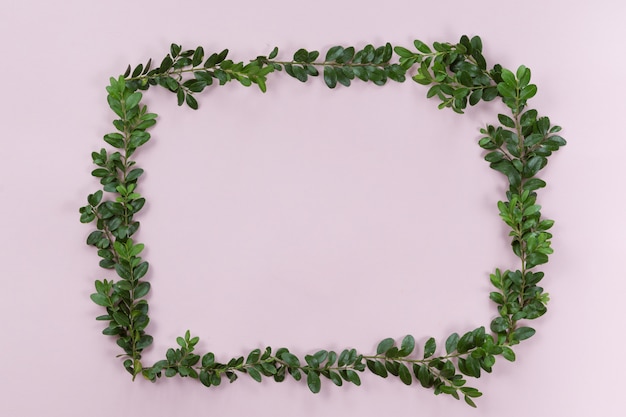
(517, 145)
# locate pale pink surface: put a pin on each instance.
(306, 217)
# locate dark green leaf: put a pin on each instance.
(100, 299)
(499, 324)
(143, 342)
(384, 346)
(114, 139)
(475, 97)
(403, 52)
(424, 376)
(300, 73)
(506, 91)
(421, 46)
(508, 354)
(254, 374)
(407, 346)
(334, 53)
(291, 360)
(121, 319)
(191, 102)
(336, 378)
(506, 120)
(405, 374)
(140, 270)
(198, 55)
(353, 377)
(313, 381)
(142, 289)
(490, 93)
(301, 55)
(134, 174)
(528, 92)
(429, 348)
(509, 78)
(330, 77)
(451, 343)
(133, 100)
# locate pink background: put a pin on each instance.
(305, 217)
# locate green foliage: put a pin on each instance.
(517, 146)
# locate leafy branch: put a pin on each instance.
(517, 146)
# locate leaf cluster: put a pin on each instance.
(175, 69)
(457, 73)
(342, 65)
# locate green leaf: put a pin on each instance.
(313, 382)
(506, 121)
(165, 64)
(143, 342)
(472, 367)
(136, 249)
(422, 47)
(353, 377)
(198, 55)
(301, 55)
(330, 77)
(254, 356)
(528, 92)
(273, 54)
(523, 75)
(469, 401)
(204, 378)
(191, 102)
(341, 77)
(336, 378)
(402, 52)
(208, 360)
(475, 97)
(121, 319)
(114, 139)
(122, 271)
(94, 237)
(142, 289)
(134, 174)
(508, 169)
(451, 343)
(429, 348)
(465, 79)
(291, 360)
(300, 73)
(133, 100)
(140, 270)
(175, 50)
(384, 346)
(424, 376)
(100, 299)
(377, 368)
(405, 374)
(508, 354)
(508, 78)
(254, 374)
(334, 53)
(407, 346)
(466, 342)
(506, 91)
(499, 324)
(490, 93)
